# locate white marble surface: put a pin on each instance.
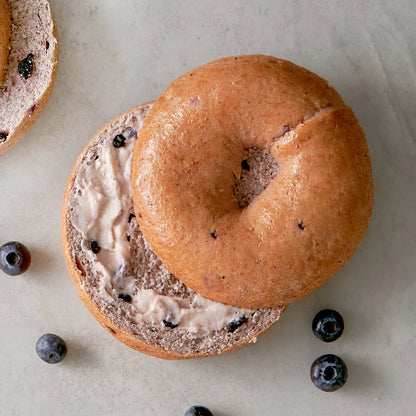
(116, 54)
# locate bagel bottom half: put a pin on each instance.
(117, 275)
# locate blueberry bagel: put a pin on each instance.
(121, 281)
(252, 181)
(31, 69)
(4, 36)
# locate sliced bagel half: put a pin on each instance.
(121, 281)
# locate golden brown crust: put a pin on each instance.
(4, 36)
(29, 120)
(297, 233)
(76, 276)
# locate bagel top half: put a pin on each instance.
(4, 36)
(252, 181)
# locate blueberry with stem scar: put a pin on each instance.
(14, 258)
(329, 372)
(51, 348)
(328, 325)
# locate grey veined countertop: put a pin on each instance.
(117, 54)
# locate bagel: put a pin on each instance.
(31, 69)
(4, 36)
(252, 181)
(118, 277)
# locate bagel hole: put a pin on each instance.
(258, 169)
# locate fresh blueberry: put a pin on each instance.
(14, 258)
(198, 411)
(25, 66)
(329, 372)
(51, 348)
(328, 325)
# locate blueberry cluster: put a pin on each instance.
(328, 372)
